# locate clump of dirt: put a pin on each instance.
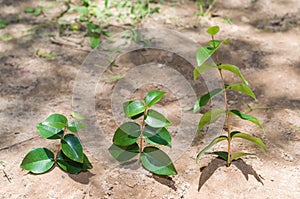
(278, 23)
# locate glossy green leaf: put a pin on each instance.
(239, 154)
(152, 97)
(235, 70)
(124, 153)
(49, 132)
(215, 43)
(67, 164)
(204, 99)
(86, 163)
(156, 119)
(77, 116)
(221, 154)
(255, 140)
(211, 144)
(39, 160)
(72, 148)
(127, 134)
(247, 117)
(213, 30)
(158, 136)
(56, 120)
(156, 161)
(134, 108)
(94, 42)
(204, 67)
(210, 117)
(243, 88)
(75, 126)
(204, 53)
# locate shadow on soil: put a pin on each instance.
(208, 171)
(83, 177)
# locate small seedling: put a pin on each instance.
(211, 116)
(97, 17)
(69, 156)
(129, 138)
(3, 23)
(204, 7)
(35, 11)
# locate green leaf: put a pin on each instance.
(44, 54)
(247, 117)
(213, 30)
(56, 120)
(204, 99)
(152, 97)
(157, 161)
(255, 140)
(157, 136)
(211, 144)
(72, 148)
(201, 69)
(75, 126)
(93, 29)
(134, 108)
(82, 10)
(127, 134)
(209, 117)
(29, 10)
(124, 153)
(204, 53)
(3, 24)
(221, 154)
(5, 37)
(86, 163)
(39, 160)
(94, 42)
(156, 119)
(49, 132)
(215, 43)
(77, 116)
(243, 88)
(114, 78)
(37, 11)
(239, 154)
(235, 70)
(107, 3)
(67, 164)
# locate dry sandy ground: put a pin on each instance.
(265, 44)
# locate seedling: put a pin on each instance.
(128, 140)
(211, 116)
(98, 17)
(204, 7)
(69, 156)
(35, 11)
(3, 23)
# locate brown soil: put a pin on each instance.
(265, 44)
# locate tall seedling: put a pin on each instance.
(211, 116)
(128, 140)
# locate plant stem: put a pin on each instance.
(227, 119)
(227, 107)
(142, 129)
(59, 146)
